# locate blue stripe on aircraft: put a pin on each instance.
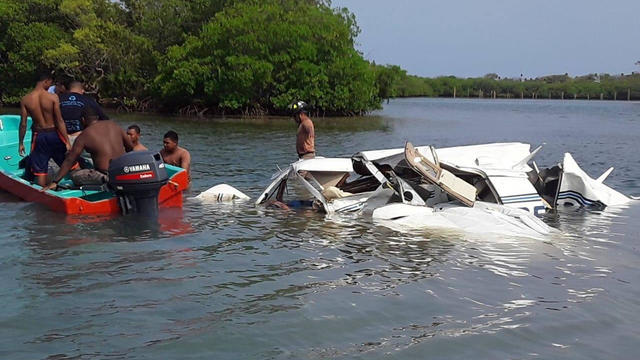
(579, 198)
(520, 198)
(352, 207)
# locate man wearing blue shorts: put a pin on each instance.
(49, 139)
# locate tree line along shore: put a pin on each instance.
(587, 87)
(247, 57)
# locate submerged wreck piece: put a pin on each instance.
(450, 203)
(482, 218)
(221, 193)
(432, 172)
(498, 172)
(326, 184)
(573, 187)
(487, 188)
(403, 189)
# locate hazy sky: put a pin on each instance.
(507, 37)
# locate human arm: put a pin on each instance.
(308, 126)
(59, 122)
(67, 164)
(185, 161)
(22, 131)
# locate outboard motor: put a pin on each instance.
(137, 177)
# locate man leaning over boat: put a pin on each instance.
(104, 141)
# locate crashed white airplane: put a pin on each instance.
(477, 188)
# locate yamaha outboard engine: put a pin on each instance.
(137, 177)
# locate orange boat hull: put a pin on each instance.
(170, 196)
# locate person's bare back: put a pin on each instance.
(104, 140)
(44, 109)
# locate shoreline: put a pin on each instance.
(238, 118)
(517, 98)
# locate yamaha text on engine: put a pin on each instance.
(137, 178)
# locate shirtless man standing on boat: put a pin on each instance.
(104, 140)
(49, 138)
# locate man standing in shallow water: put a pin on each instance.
(133, 131)
(49, 139)
(173, 154)
(305, 138)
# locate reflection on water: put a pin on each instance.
(238, 281)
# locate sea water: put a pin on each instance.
(234, 281)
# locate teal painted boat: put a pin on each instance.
(70, 201)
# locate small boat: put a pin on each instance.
(70, 200)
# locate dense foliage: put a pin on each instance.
(259, 55)
(247, 56)
(232, 56)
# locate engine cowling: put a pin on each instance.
(137, 177)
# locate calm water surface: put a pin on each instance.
(239, 282)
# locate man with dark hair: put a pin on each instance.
(104, 140)
(49, 138)
(133, 131)
(72, 105)
(58, 88)
(173, 154)
(305, 137)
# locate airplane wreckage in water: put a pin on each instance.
(488, 188)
